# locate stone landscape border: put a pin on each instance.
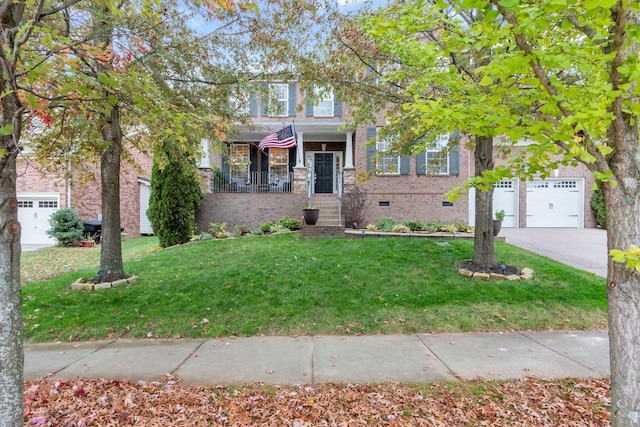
(525, 274)
(83, 285)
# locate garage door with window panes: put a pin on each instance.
(554, 203)
(33, 215)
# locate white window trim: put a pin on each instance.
(379, 156)
(441, 142)
(232, 162)
(327, 97)
(282, 102)
(286, 164)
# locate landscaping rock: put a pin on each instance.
(119, 282)
(465, 272)
(80, 286)
(513, 277)
(497, 276)
(87, 285)
(526, 273)
(481, 276)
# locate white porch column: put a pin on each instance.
(300, 150)
(348, 154)
(205, 159)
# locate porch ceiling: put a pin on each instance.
(312, 131)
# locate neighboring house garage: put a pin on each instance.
(555, 203)
(34, 211)
(145, 194)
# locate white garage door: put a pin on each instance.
(555, 203)
(145, 193)
(34, 212)
(505, 197)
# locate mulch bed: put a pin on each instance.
(495, 268)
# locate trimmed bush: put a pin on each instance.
(290, 223)
(386, 224)
(219, 231)
(415, 225)
(266, 227)
(241, 230)
(400, 228)
(66, 226)
(175, 197)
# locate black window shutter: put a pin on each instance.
(337, 108)
(253, 158)
(371, 149)
(405, 165)
(292, 99)
(454, 160)
(292, 158)
(421, 163)
(225, 166)
(264, 100)
(253, 106)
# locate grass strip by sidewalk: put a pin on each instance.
(288, 285)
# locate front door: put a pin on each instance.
(323, 166)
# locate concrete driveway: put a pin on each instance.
(583, 248)
(27, 247)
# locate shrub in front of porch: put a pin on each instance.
(289, 223)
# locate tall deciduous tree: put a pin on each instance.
(415, 69)
(137, 68)
(569, 72)
(19, 23)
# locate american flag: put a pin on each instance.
(282, 139)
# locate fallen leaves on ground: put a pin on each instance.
(523, 402)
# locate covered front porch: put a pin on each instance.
(321, 163)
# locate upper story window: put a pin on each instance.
(241, 101)
(386, 163)
(437, 161)
(279, 99)
(325, 102)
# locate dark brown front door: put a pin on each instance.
(323, 166)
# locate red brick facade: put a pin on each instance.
(406, 196)
(85, 190)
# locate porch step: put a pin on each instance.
(317, 231)
(328, 205)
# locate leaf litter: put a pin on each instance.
(522, 402)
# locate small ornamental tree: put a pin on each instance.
(66, 226)
(175, 197)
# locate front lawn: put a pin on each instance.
(285, 285)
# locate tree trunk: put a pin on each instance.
(11, 346)
(11, 352)
(483, 249)
(623, 291)
(111, 252)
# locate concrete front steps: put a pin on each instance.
(328, 205)
(329, 222)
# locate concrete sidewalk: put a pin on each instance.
(309, 360)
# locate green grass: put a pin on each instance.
(286, 284)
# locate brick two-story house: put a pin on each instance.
(250, 186)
